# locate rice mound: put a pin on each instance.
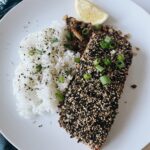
(43, 59)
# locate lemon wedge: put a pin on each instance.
(89, 12)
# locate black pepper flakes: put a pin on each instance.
(30, 78)
(133, 86)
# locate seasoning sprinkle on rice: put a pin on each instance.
(44, 62)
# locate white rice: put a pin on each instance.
(35, 90)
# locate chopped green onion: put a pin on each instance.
(120, 61)
(120, 64)
(61, 79)
(96, 62)
(104, 45)
(69, 36)
(97, 26)
(35, 51)
(85, 31)
(87, 76)
(38, 51)
(120, 57)
(107, 43)
(31, 52)
(77, 60)
(107, 61)
(54, 40)
(108, 39)
(112, 45)
(38, 68)
(105, 80)
(99, 68)
(68, 72)
(59, 95)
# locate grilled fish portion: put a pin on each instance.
(91, 102)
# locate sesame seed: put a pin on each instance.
(89, 108)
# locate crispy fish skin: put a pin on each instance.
(89, 108)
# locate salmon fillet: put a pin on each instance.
(91, 102)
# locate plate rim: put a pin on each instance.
(27, 2)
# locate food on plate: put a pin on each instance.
(49, 58)
(44, 73)
(91, 101)
(89, 12)
(78, 33)
(78, 69)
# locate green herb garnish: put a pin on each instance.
(85, 31)
(120, 64)
(61, 79)
(38, 68)
(54, 40)
(35, 51)
(68, 72)
(107, 61)
(120, 57)
(96, 62)
(112, 45)
(87, 76)
(99, 68)
(120, 61)
(77, 60)
(97, 26)
(108, 39)
(31, 52)
(107, 43)
(105, 80)
(104, 45)
(59, 95)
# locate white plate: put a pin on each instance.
(131, 130)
